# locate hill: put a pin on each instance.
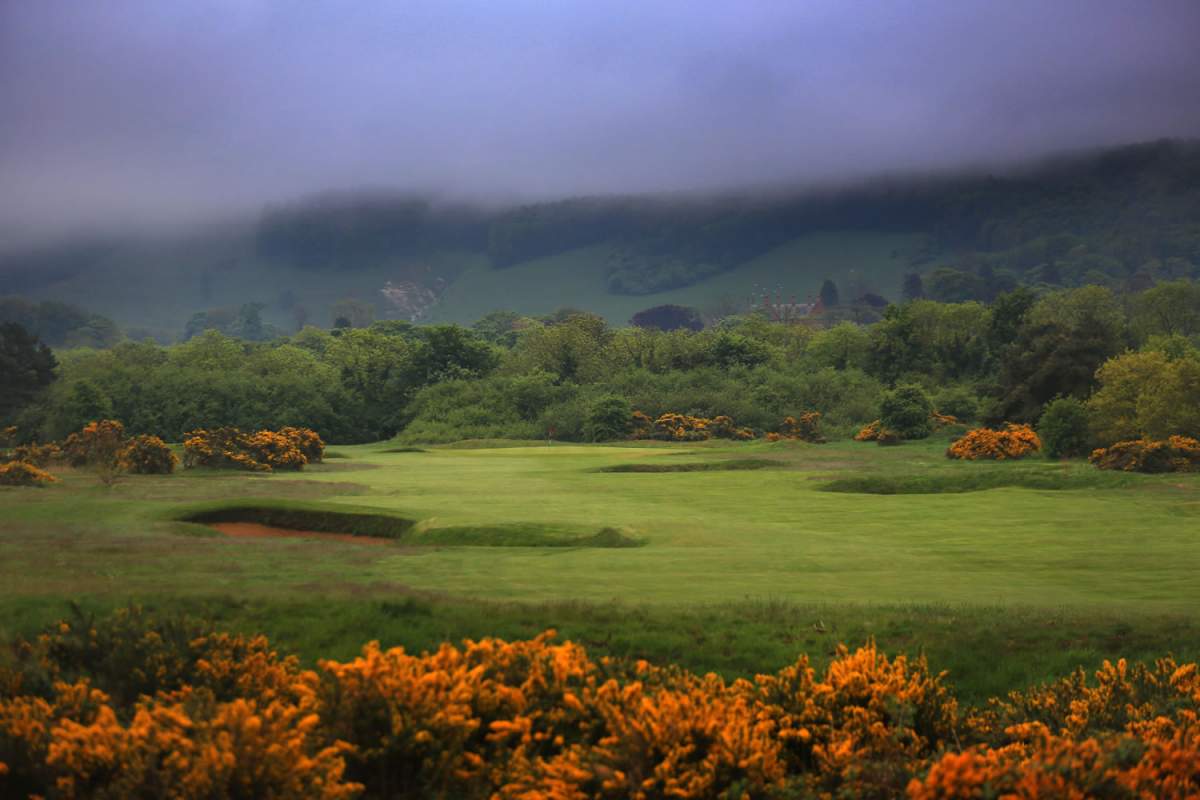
(1124, 218)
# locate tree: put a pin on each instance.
(609, 418)
(950, 285)
(1063, 428)
(669, 317)
(1062, 341)
(829, 294)
(1146, 394)
(914, 287)
(26, 368)
(1167, 309)
(352, 313)
(906, 410)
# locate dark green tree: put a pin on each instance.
(829, 294)
(914, 287)
(905, 410)
(26, 368)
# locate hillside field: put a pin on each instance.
(157, 286)
(736, 570)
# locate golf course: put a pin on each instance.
(730, 557)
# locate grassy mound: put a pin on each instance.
(957, 483)
(522, 535)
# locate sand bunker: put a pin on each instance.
(252, 530)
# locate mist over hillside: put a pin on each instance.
(1123, 217)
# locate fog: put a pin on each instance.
(162, 113)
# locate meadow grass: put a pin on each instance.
(740, 570)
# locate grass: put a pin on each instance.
(740, 570)
(694, 466)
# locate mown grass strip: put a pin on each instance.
(695, 466)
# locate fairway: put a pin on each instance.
(736, 569)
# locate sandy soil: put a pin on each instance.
(252, 530)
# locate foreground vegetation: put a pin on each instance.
(135, 706)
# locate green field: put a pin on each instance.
(738, 570)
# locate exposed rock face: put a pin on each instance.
(410, 300)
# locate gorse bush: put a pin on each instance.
(1176, 454)
(97, 445)
(123, 708)
(147, 455)
(230, 448)
(20, 473)
(1013, 441)
(307, 441)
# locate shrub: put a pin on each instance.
(1063, 428)
(888, 437)
(126, 708)
(307, 441)
(807, 428)
(906, 410)
(958, 402)
(20, 473)
(869, 432)
(39, 455)
(97, 445)
(220, 448)
(1176, 454)
(147, 455)
(608, 419)
(1014, 441)
(275, 450)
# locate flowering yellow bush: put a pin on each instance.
(806, 429)
(20, 473)
(673, 427)
(1014, 441)
(307, 441)
(217, 715)
(264, 451)
(869, 432)
(147, 455)
(39, 455)
(1176, 454)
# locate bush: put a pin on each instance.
(807, 428)
(1015, 441)
(229, 448)
(307, 441)
(97, 445)
(20, 473)
(1063, 428)
(128, 707)
(39, 455)
(906, 410)
(959, 402)
(276, 451)
(608, 419)
(147, 455)
(1176, 454)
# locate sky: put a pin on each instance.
(165, 112)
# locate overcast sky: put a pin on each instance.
(163, 110)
